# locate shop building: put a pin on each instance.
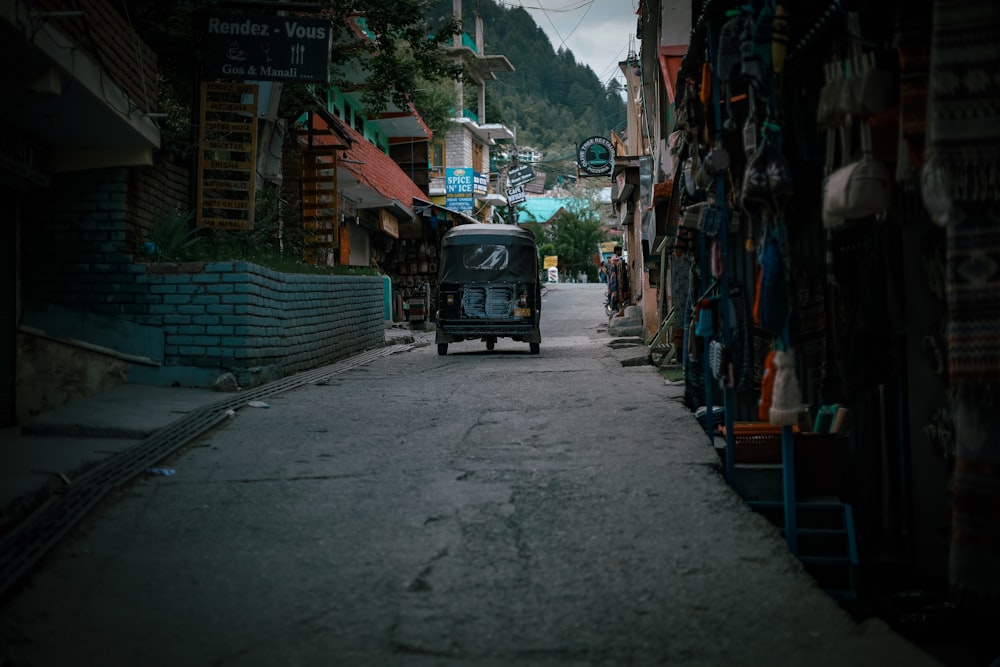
(854, 328)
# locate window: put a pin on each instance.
(477, 157)
(437, 163)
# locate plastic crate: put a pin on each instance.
(756, 442)
(820, 458)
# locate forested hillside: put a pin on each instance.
(554, 101)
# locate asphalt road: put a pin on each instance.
(480, 508)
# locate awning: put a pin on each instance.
(428, 209)
(493, 199)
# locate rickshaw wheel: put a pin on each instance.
(491, 343)
(535, 347)
(442, 349)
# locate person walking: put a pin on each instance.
(618, 282)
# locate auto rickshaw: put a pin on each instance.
(488, 286)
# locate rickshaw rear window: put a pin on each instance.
(485, 257)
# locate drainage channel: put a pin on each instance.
(26, 544)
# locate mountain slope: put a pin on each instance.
(553, 101)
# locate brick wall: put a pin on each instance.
(459, 148)
(257, 323)
(74, 247)
(107, 37)
(154, 191)
(209, 318)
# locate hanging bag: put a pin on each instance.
(862, 188)
(859, 190)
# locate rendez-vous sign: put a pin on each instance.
(267, 48)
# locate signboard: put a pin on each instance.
(520, 175)
(227, 153)
(266, 48)
(515, 195)
(458, 181)
(595, 156)
(463, 204)
(388, 223)
(480, 183)
(550, 261)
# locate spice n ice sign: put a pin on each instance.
(267, 48)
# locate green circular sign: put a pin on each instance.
(596, 156)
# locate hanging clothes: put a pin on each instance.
(961, 188)
(619, 289)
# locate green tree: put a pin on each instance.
(575, 235)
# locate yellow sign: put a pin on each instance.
(550, 261)
(388, 223)
(227, 153)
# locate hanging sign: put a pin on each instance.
(227, 150)
(266, 48)
(520, 175)
(515, 195)
(595, 156)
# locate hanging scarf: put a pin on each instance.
(963, 147)
(961, 187)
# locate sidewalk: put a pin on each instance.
(44, 455)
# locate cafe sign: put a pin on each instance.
(266, 48)
(595, 156)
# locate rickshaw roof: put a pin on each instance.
(488, 233)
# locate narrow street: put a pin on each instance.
(480, 508)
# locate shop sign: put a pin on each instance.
(550, 261)
(480, 183)
(227, 144)
(520, 175)
(515, 195)
(266, 48)
(595, 156)
(458, 181)
(462, 204)
(388, 223)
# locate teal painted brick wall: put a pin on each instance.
(260, 324)
(197, 320)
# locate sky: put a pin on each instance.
(598, 32)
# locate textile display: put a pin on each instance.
(960, 187)
(973, 296)
(974, 568)
(618, 283)
(963, 110)
(973, 351)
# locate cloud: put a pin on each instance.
(599, 32)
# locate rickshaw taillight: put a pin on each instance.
(449, 299)
(522, 299)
